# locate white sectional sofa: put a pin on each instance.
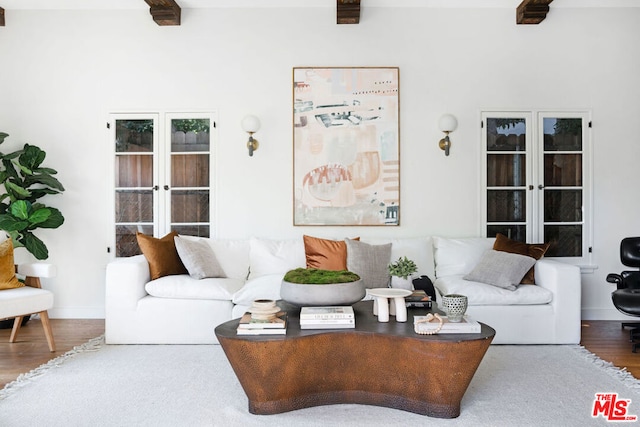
(178, 309)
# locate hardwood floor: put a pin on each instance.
(603, 337)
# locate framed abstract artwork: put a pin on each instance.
(346, 146)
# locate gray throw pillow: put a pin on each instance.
(502, 269)
(198, 258)
(370, 262)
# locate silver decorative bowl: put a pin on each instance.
(317, 295)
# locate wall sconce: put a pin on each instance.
(251, 124)
(447, 124)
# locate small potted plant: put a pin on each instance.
(402, 272)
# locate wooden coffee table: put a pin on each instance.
(383, 364)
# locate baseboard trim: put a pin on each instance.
(77, 313)
(604, 314)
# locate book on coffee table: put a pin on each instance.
(267, 331)
(327, 313)
(327, 325)
(278, 322)
(466, 326)
(418, 298)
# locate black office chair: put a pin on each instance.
(626, 298)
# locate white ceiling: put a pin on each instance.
(194, 4)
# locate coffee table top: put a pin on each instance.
(366, 323)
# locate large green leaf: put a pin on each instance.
(3, 136)
(44, 179)
(17, 191)
(20, 209)
(39, 216)
(10, 223)
(54, 220)
(32, 157)
(35, 246)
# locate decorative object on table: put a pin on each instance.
(455, 305)
(418, 299)
(346, 142)
(313, 287)
(435, 323)
(264, 317)
(336, 317)
(401, 272)
(25, 181)
(384, 297)
(424, 283)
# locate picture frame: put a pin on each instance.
(346, 146)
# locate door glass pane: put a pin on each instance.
(506, 134)
(562, 134)
(190, 170)
(512, 231)
(135, 170)
(563, 205)
(189, 206)
(189, 135)
(134, 136)
(126, 242)
(566, 240)
(506, 170)
(506, 205)
(563, 170)
(201, 230)
(134, 206)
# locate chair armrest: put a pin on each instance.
(125, 282)
(37, 269)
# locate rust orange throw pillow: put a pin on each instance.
(8, 279)
(325, 254)
(161, 254)
(534, 250)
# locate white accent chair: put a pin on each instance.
(30, 299)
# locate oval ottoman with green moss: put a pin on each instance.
(313, 287)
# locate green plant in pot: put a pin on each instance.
(25, 182)
(314, 287)
(401, 272)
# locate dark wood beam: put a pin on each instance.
(348, 11)
(164, 12)
(532, 11)
(1, 17)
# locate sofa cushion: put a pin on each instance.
(483, 294)
(233, 256)
(370, 262)
(502, 269)
(263, 287)
(161, 255)
(459, 256)
(185, 287)
(325, 254)
(417, 249)
(275, 256)
(198, 258)
(8, 279)
(534, 250)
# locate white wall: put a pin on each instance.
(62, 72)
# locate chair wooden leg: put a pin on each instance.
(44, 317)
(17, 322)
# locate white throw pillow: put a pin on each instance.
(501, 269)
(459, 256)
(275, 256)
(264, 287)
(198, 258)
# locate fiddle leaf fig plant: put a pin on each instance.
(25, 182)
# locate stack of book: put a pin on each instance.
(466, 326)
(418, 298)
(335, 317)
(274, 326)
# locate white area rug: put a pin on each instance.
(164, 385)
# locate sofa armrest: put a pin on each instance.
(565, 282)
(125, 282)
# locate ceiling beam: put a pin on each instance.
(1, 17)
(165, 12)
(348, 11)
(532, 11)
